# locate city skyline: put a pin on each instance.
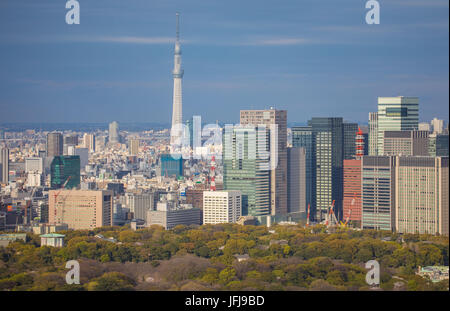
(247, 59)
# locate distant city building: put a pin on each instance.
(89, 142)
(246, 172)
(140, 204)
(396, 114)
(54, 144)
(63, 167)
(171, 165)
(424, 126)
(421, 195)
(178, 72)
(83, 153)
(373, 133)
(438, 145)
(302, 138)
(195, 197)
(406, 143)
(134, 146)
(4, 165)
(34, 164)
(352, 191)
(169, 216)
(81, 209)
(278, 176)
(296, 184)
(52, 239)
(114, 133)
(71, 139)
(378, 192)
(350, 130)
(438, 126)
(328, 144)
(221, 206)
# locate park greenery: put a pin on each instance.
(190, 258)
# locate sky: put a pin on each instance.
(312, 58)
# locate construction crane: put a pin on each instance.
(57, 194)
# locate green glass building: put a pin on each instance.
(246, 167)
(63, 167)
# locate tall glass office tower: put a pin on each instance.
(328, 154)
(246, 167)
(396, 114)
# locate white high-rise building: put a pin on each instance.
(221, 206)
(114, 132)
(177, 112)
(438, 126)
(396, 114)
(89, 142)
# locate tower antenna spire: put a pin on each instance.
(178, 26)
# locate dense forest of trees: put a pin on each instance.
(203, 258)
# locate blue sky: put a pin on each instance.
(313, 58)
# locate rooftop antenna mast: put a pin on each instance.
(178, 27)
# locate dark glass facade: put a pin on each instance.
(171, 166)
(63, 167)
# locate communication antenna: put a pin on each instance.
(178, 26)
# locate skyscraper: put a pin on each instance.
(245, 169)
(396, 114)
(177, 112)
(373, 133)
(278, 151)
(406, 143)
(113, 132)
(350, 130)
(54, 144)
(296, 184)
(378, 192)
(328, 153)
(89, 142)
(134, 146)
(4, 165)
(302, 138)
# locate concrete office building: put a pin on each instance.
(373, 133)
(328, 144)
(89, 142)
(34, 165)
(302, 138)
(406, 143)
(421, 195)
(169, 216)
(114, 133)
(396, 114)
(140, 204)
(195, 197)
(54, 144)
(296, 184)
(246, 167)
(438, 126)
(378, 192)
(133, 147)
(351, 202)
(424, 126)
(81, 209)
(278, 151)
(221, 206)
(4, 165)
(83, 153)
